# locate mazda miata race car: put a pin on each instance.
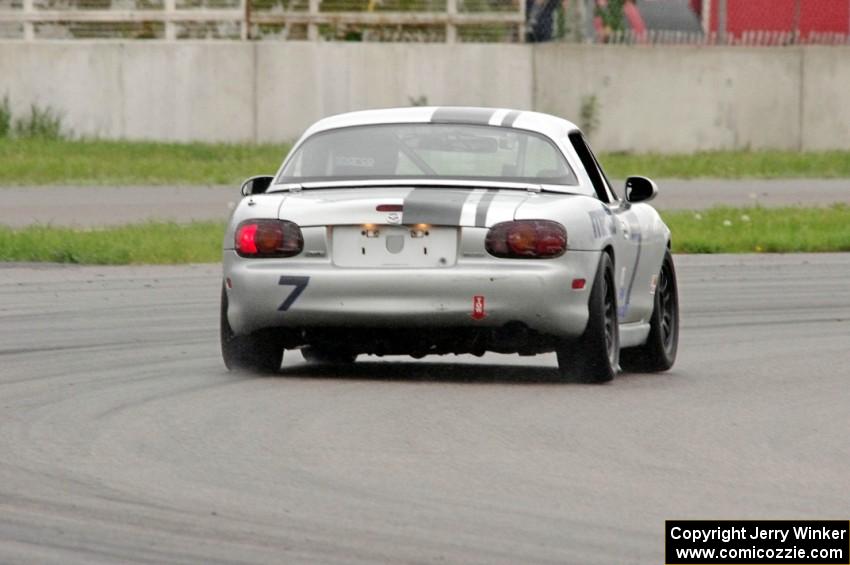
(423, 231)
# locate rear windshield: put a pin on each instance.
(428, 151)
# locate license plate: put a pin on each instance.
(394, 246)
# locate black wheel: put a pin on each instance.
(659, 351)
(323, 355)
(594, 357)
(259, 352)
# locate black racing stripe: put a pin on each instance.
(483, 206)
(462, 115)
(510, 118)
(434, 206)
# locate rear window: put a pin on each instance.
(428, 151)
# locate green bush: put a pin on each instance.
(5, 117)
(42, 123)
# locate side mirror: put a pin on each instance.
(640, 189)
(256, 185)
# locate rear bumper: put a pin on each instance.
(536, 293)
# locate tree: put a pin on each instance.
(613, 18)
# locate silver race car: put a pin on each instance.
(424, 231)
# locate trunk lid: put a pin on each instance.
(436, 206)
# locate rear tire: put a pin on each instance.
(659, 352)
(259, 352)
(594, 357)
(320, 355)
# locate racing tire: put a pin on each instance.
(659, 352)
(258, 352)
(314, 354)
(594, 356)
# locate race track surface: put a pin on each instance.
(123, 439)
(85, 206)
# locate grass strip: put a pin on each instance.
(121, 163)
(145, 243)
(718, 230)
(730, 165)
(760, 230)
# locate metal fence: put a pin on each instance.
(364, 20)
(774, 22)
(703, 22)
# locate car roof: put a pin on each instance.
(548, 125)
(553, 127)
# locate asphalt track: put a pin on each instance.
(123, 439)
(86, 206)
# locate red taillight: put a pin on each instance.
(527, 239)
(389, 208)
(268, 238)
(245, 239)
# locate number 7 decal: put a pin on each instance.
(299, 284)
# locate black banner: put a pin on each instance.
(757, 542)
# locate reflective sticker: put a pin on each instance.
(478, 307)
(653, 282)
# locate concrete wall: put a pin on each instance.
(666, 99)
(297, 83)
(136, 90)
(679, 99)
(825, 90)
